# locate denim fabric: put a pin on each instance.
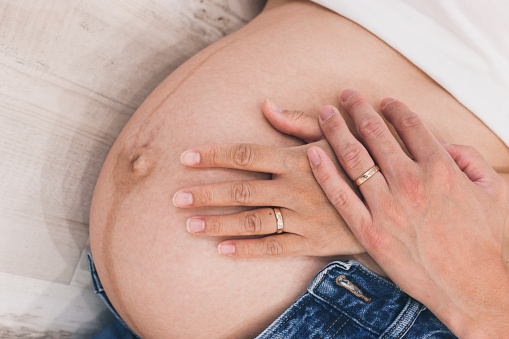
(118, 329)
(346, 300)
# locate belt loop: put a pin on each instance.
(404, 320)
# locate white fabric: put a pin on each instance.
(462, 44)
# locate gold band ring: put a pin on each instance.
(279, 220)
(368, 174)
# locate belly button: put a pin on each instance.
(140, 165)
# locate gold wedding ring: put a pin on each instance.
(279, 220)
(368, 174)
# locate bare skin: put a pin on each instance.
(166, 283)
(444, 201)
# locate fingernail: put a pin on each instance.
(274, 107)
(227, 249)
(195, 225)
(181, 199)
(443, 143)
(313, 156)
(386, 102)
(347, 94)
(190, 158)
(326, 112)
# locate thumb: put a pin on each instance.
(296, 123)
(471, 162)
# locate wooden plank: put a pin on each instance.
(120, 49)
(33, 308)
(81, 277)
(71, 74)
(51, 160)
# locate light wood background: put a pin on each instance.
(71, 74)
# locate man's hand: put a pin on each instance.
(433, 222)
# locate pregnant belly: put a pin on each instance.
(166, 283)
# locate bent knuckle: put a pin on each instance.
(205, 196)
(324, 177)
(371, 128)
(356, 102)
(339, 198)
(216, 226)
(213, 155)
(410, 121)
(273, 247)
(352, 155)
(333, 127)
(252, 223)
(242, 192)
(297, 116)
(243, 155)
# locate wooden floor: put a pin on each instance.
(71, 74)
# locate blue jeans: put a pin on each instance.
(345, 300)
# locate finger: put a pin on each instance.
(254, 222)
(230, 193)
(417, 138)
(373, 131)
(352, 155)
(347, 203)
(274, 245)
(471, 162)
(296, 123)
(249, 157)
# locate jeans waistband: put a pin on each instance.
(371, 301)
(99, 290)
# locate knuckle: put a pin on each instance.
(371, 128)
(333, 126)
(243, 155)
(351, 154)
(323, 177)
(297, 116)
(339, 198)
(410, 121)
(213, 155)
(242, 192)
(205, 195)
(216, 226)
(356, 102)
(252, 223)
(273, 247)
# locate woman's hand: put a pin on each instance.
(434, 223)
(312, 226)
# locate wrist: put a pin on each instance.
(485, 314)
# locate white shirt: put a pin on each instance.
(462, 44)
